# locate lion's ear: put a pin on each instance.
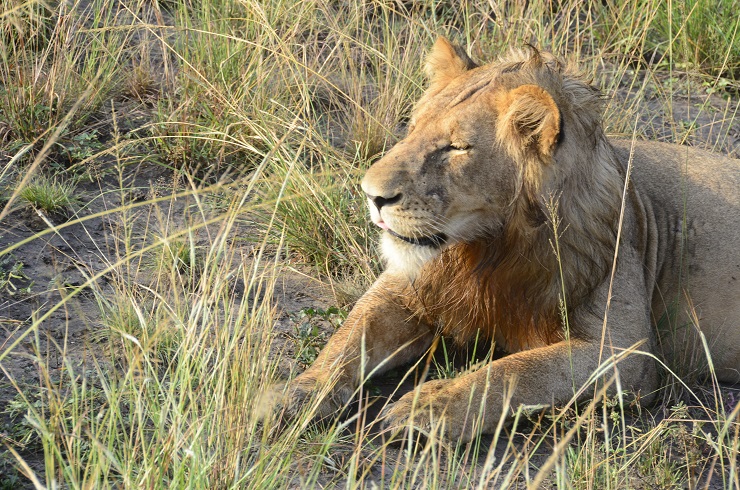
(528, 120)
(446, 61)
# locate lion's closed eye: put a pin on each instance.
(459, 146)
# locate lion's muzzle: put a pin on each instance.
(376, 203)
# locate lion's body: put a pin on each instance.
(690, 227)
(498, 157)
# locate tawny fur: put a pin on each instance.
(496, 159)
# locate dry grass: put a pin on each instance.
(260, 118)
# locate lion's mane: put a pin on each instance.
(521, 281)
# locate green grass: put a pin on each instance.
(228, 140)
(49, 195)
(704, 34)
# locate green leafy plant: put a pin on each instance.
(12, 277)
(308, 338)
(81, 146)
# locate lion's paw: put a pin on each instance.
(305, 395)
(427, 411)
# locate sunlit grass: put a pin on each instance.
(262, 117)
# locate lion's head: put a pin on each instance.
(489, 151)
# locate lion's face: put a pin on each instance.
(456, 177)
(446, 182)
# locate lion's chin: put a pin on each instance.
(406, 258)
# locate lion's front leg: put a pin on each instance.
(379, 334)
(471, 404)
(543, 376)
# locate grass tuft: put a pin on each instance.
(49, 195)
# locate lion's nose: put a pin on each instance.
(379, 187)
(381, 201)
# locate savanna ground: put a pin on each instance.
(181, 226)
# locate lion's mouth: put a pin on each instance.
(426, 241)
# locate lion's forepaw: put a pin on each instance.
(441, 409)
(426, 410)
(303, 396)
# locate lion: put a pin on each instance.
(506, 212)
